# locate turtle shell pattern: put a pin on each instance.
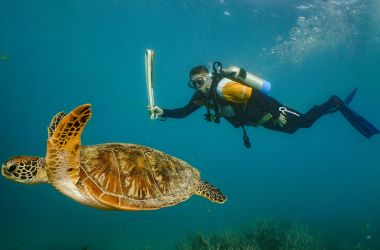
(134, 177)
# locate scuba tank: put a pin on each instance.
(246, 78)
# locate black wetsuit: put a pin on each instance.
(257, 106)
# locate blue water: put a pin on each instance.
(60, 54)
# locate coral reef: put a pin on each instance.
(216, 241)
(263, 234)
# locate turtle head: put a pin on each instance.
(25, 169)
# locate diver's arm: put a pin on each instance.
(181, 112)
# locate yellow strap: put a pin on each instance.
(263, 120)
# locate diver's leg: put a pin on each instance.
(336, 104)
(297, 120)
(316, 112)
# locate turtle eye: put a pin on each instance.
(12, 168)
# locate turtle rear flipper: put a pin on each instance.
(210, 192)
(54, 123)
(63, 148)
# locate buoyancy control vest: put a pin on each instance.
(214, 101)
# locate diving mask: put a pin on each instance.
(197, 82)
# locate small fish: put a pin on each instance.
(3, 58)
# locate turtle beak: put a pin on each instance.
(4, 171)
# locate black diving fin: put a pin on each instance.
(350, 97)
(357, 121)
(347, 101)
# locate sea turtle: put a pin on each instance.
(115, 176)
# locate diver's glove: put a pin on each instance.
(280, 121)
(156, 111)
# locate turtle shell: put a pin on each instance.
(134, 177)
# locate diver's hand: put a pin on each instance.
(156, 111)
(280, 121)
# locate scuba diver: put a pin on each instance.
(242, 99)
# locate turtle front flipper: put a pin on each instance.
(54, 123)
(63, 151)
(210, 192)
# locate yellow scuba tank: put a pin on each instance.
(242, 76)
